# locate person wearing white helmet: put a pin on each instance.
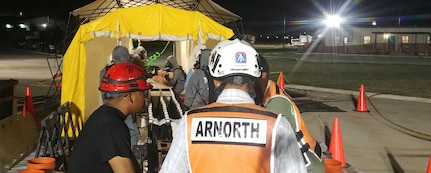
(233, 134)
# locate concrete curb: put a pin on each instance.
(369, 94)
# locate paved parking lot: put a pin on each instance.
(395, 131)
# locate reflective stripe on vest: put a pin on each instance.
(236, 138)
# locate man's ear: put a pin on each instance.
(129, 96)
(264, 75)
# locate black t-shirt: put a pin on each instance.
(104, 136)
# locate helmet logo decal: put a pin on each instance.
(240, 57)
(214, 61)
(213, 57)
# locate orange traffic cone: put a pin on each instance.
(362, 101)
(28, 103)
(429, 166)
(336, 144)
(280, 80)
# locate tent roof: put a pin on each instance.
(156, 22)
(209, 8)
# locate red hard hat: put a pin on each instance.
(124, 77)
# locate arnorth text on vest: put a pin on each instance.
(229, 130)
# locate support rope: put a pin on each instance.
(155, 56)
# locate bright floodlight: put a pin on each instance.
(333, 21)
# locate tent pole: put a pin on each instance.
(118, 34)
(63, 47)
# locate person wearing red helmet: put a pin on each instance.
(121, 54)
(104, 142)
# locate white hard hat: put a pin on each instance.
(234, 58)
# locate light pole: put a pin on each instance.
(399, 13)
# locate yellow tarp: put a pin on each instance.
(155, 22)
(90, 49)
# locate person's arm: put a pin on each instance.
(172, 80)
(136, 59)
(161, 77)
(114, 145)
(287, 155)
(121, 165)
(191, 91)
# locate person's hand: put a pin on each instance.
(170, 75)
(159, 76)
(156, 78)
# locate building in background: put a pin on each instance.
(39, 33)
(375, 40)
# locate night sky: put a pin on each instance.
(306, 15)
(266, 17)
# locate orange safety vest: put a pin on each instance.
(305, 140)
(230, 138)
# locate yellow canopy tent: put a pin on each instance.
(91, 48)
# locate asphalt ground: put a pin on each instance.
(394, 136)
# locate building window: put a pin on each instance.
(367, 39)
(337, 39)
(428, 39)
(405, 39)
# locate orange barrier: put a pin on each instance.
(362, 101)
(280, 80)
(28, 103)
(336, 144)
(331, 165)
